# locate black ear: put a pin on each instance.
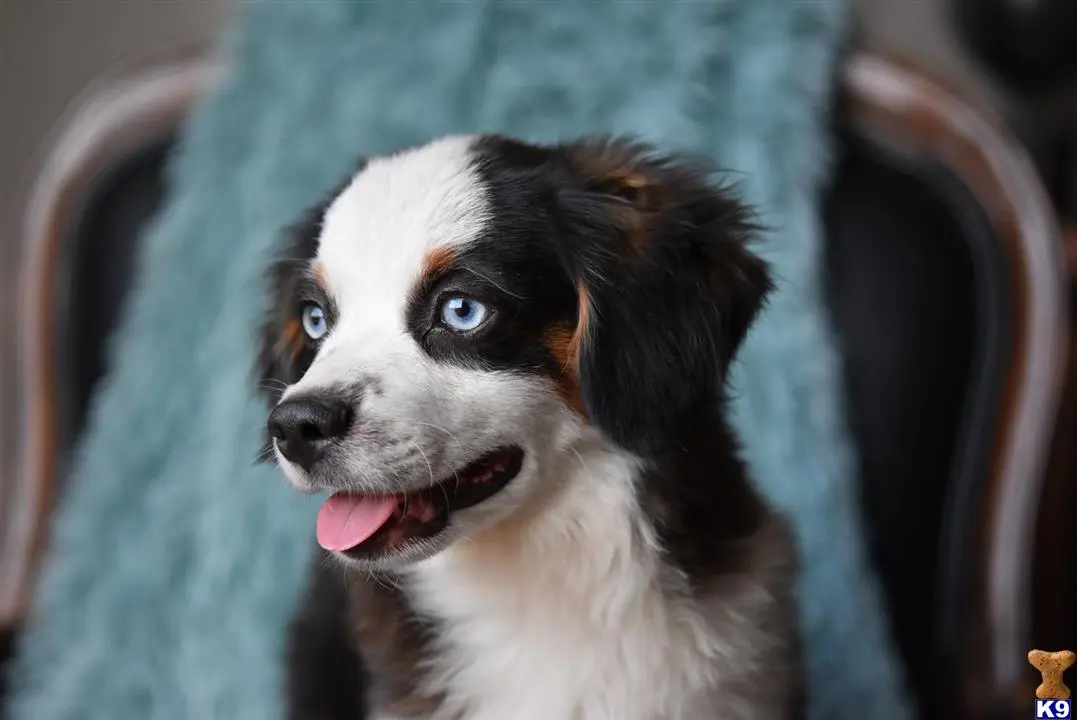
(667, 287)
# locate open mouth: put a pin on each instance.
(364, 526)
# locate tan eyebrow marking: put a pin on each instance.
(317, 271)
(436, 261)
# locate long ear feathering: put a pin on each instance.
(667, 286)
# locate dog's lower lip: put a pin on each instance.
(423, 514)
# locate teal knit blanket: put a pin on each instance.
(175, 561)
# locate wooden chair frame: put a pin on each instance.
(892, 98)
(114, 118)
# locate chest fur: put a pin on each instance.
(546, 650)
(576, 616)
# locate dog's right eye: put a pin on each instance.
(315, 324)
(462, 314)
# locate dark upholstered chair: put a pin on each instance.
(948, 301)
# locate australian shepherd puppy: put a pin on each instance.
(504, 363)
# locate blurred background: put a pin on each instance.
(959, 129)
(51, 50)
(51, 54)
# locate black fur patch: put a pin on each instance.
(325, 677)
(661, 254)
(644, 259)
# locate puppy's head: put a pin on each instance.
(449, 328)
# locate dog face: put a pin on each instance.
(450, 327)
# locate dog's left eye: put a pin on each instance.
(462, 314)
(314, 322)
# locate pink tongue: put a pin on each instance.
(347, 520)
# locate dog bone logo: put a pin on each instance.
(1051, 666)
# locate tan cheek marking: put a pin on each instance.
(583, 322)
(565, 346)
(291, 338)
(560, 342)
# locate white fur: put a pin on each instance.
(572, 614)
(431, 418)
(554, 600)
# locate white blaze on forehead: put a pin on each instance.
(397, 209)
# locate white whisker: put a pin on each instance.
(452, 437)
(586, 471)
(499, 287)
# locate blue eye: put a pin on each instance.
(314, 323)
(462, 313)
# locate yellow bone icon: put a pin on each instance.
(1051, 666)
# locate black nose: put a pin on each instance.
(305, 426)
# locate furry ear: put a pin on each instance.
(667, 291)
